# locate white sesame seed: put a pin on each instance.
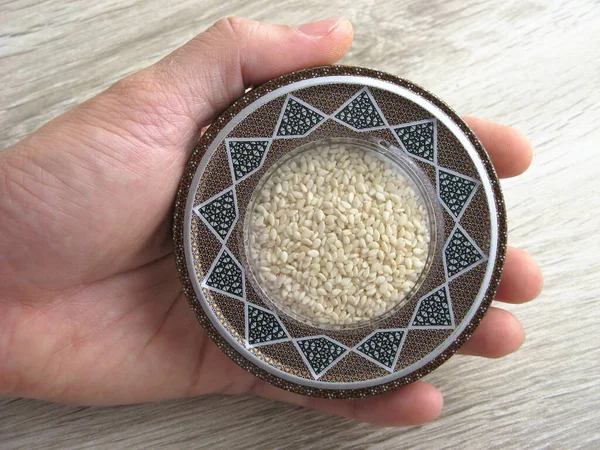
(313, 253)
(338, 235)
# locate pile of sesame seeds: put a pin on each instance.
(337, 235)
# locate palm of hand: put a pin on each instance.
(94, 311)
(94, 270)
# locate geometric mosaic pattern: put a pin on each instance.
(297, 119)
(433, 310)
(263, 327)
(220, 213)
(460, 253)
(246, 156)
(418, 139)
(360, 113)
(320, 352)
(455, 191)
(383, 347)
(227, 276)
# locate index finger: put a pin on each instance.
(509, 149)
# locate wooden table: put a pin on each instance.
(532, 64)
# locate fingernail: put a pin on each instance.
(320, 28)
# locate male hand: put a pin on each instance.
(92, 308)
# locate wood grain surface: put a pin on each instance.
(531, 64)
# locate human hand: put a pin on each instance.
(92, 307)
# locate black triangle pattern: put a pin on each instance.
(263, 327)
(460, 253)
(220, 213)
(320, 352)
(417, 139)
(382, 347)
(246, 156)
(297, 119)
(227, 276)
(455, 191)
(360, 113)
(434, 310)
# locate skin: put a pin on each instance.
(92, 309)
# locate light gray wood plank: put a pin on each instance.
(531, 64)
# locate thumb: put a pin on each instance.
(101, 154)
(200, 79)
